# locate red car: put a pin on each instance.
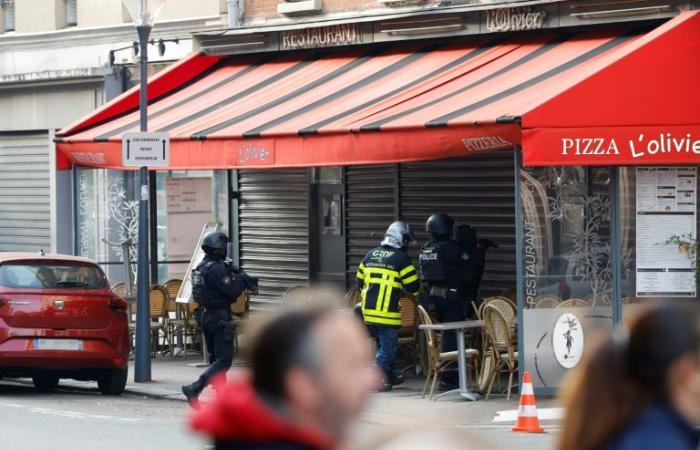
(59, 319)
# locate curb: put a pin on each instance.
(129, 390)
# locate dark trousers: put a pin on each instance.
(387, 338)
(219, 335)
(449, 310)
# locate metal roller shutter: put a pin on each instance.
(274, 230)
(369, 210)
(478, 190)
(25, 221)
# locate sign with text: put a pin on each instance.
(331, 36)
(666, 223)
(515, 19)
(146, 149)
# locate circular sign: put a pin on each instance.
(568, 340)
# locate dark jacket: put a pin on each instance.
(239, 419)
(657, 428)
(214, 285)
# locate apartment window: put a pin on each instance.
(71, 13)
(8, 14)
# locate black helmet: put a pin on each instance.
(215, 244)
(440, 224)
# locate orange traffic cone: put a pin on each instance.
(527, 412)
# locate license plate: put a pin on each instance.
(58, 344)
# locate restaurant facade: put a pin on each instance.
(573, 143)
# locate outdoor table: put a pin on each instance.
(460, 328)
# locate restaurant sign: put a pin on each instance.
(331, 36)
(515, 19)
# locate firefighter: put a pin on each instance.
(215, 286)
(382, 275)
(442, 262)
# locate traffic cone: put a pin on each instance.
(527, 412)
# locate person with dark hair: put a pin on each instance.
(312, 374)
(641, 392)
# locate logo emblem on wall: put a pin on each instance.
(568, 341)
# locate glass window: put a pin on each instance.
(71, 13)
(51, 275)
(328, 175)
(566, 214)
(8, 12)
(658, 225)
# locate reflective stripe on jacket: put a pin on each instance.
(382, 275)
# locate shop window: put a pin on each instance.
(8, 14)
(327, 175)
(658, 235)
(71, 13)
(566, 251)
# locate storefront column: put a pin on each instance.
(615, 250)
(233, 222)
(519, 264)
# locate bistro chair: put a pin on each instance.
(172, 287)
(505, 306)
(240, 310)
(186, 325)
(547, 301)
(119, 289)
(408, 333)
(502, 346)
(438, 361)
(353, 297)
(594, 300)
(573, 303)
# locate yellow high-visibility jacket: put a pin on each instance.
(382, 275)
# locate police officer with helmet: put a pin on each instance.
(384, 273)
(442, 262)
(216, 284)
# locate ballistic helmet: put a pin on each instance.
(398, 235)
(215, 244)
(440, 224)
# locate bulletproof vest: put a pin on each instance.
(439, 263)
(204, 291)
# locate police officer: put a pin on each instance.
(214, 287)
(473, 269)
(441, 264)
(383, 274)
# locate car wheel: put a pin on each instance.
(114, 382)
(45, 382)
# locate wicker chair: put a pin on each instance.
(505, 306)
(438, 360)
(186, 326)
(353, 297)
(598, 300)
(240, 310)
(502, 345)
(172, 286)
(573, 303)
(547, 301)
(119, 289)
(158, 299)
(408, 333)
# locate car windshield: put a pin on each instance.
(51, 275)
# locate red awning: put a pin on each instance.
(389, 103)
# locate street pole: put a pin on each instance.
(142, 362)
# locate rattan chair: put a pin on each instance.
(507, 307)
(547, 301)
(502, 346)
(172, 287)
(408, 333)
(119, 289)
(353, 297)
(186, 326)
(439, 360)
(573, 303)
(240, 310)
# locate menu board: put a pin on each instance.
(666, 211)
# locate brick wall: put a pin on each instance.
(257, 10)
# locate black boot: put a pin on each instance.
(395, 378)
(192, 391)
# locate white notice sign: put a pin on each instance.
(666, 211)
(146, 149)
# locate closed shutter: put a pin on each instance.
(25, 222)
(369, 211)
(479, 191)
(274, 230)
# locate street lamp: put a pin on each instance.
(143, 13)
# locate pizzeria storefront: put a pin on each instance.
(576, 151)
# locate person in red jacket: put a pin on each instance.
(311, 376)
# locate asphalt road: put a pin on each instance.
(89, 421)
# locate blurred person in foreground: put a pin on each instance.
(422, 437)
(641, 392)
(311, 376)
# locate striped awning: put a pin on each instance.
(395, 103)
